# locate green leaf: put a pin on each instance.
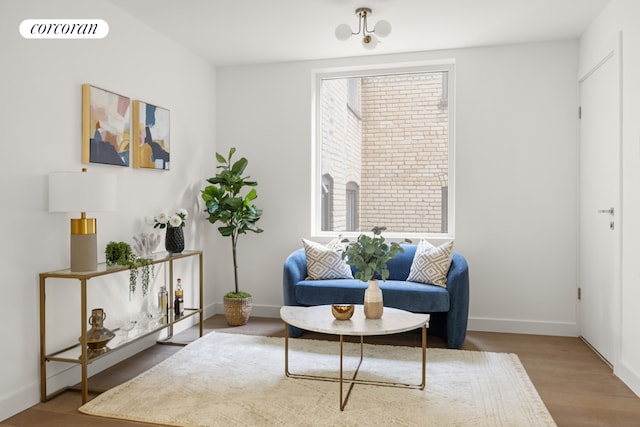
(226, 230)
(251, 195)
(251, 226)
(220, 159)
(239, 166)
(233, 203)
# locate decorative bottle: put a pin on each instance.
(163, 304)
(178, 302)
(373, 305)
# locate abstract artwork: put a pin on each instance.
(150, 136)
(105, 126)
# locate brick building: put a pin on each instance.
(385, 153)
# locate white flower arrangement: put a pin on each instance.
(178, 219)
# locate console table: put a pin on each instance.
(77, 353)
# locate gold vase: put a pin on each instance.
(98, 336)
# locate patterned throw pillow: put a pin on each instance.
(325, 262)
(431, 263)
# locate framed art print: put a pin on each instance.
(106, 118)
(150, 147)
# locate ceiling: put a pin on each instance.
(235, 32)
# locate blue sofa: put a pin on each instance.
(449, 307)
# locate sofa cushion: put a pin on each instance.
(410, 296)
(325, 262)
(431, 263)
(400, 266)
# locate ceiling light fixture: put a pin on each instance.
(369, 37)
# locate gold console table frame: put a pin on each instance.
(83, 277)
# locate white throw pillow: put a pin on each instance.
(431, 263)
(325, 262)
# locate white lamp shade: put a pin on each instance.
(382, 28)
(82, 192)
(343, 32)
(370, 41)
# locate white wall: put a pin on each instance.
(41, 124)
(515, 176)
(515, 183)
(623, 17)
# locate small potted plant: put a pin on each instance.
(226, 204)
(370, 254)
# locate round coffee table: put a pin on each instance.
(320, 319)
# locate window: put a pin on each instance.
(384, 139)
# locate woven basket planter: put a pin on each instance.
(237, 310)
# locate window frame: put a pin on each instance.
(318, 75)
(352, 199)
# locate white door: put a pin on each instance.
(599, 216)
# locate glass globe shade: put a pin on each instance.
(382, 28)
(370, 41)
(343, 32)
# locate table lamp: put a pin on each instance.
(82, 192)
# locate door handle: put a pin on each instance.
(610, 211)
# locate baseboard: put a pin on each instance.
(269, 311)
(29, 395)
(532, 327)
(19, 400)
(68, 374)
(629, 377)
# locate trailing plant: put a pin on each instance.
(225, 203)
(120, 253)
(370, 254)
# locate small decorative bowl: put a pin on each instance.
(342, 311)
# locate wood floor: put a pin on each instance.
(577, 387)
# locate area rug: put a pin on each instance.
(226, 379)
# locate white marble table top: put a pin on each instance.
(320, 319)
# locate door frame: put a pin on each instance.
(614, 52)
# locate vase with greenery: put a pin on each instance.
(370, 254)
(120, 253)
(229, 201)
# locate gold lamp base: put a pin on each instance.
(84, 244)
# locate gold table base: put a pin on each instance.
(353, 380)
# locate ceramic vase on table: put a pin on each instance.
(174, 240)
(373, 304)
(98, 336)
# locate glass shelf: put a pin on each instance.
(104, 268)
(73, 354)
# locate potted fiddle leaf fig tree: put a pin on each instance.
(229, 201)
